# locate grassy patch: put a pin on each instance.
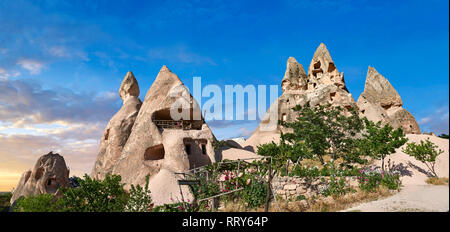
(437, 181)
(4, 201)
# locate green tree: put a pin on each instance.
(381, 141)
(425, 152)
(325, 130)
(95, 195)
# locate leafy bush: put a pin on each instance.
(425, 152)
(39, 203)
(336, 187)
(311, 172)
(255, 194)
(91, 195)
(139, 199)
(370, 178)
(95, 195)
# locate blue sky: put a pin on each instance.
(61, 62)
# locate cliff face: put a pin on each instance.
(381, 102)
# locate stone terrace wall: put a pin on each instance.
(292, 187)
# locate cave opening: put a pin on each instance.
(155, 152)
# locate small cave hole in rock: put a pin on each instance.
(154, 152)
(107, 134)
(51, 185)
(386, 107)
(331, 67)
(332, 95)
(317, 65)
(363, 111)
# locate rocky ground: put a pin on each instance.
(413, 198)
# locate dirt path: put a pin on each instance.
(412, 198)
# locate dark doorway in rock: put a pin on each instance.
(204, 149)
(187, 147)
(154, 152)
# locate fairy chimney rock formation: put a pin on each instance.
(129, 87)
(322, 70)
(294, 77)
(169, 134)
(381, 102)
(119, 128)
(48, 175)
(322, 85)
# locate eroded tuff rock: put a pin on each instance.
(119, 128)
(322, 70)
(159, 141)
(49, 173)
(323, 84)
(381, 102)
(294, 77)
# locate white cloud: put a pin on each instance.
(33, 66)
(437, 121)
(179, 54)
(4, 74)
(59, 51)
(109, 95)
(425, 120)
(64, 52)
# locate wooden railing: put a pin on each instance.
(172, 124)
